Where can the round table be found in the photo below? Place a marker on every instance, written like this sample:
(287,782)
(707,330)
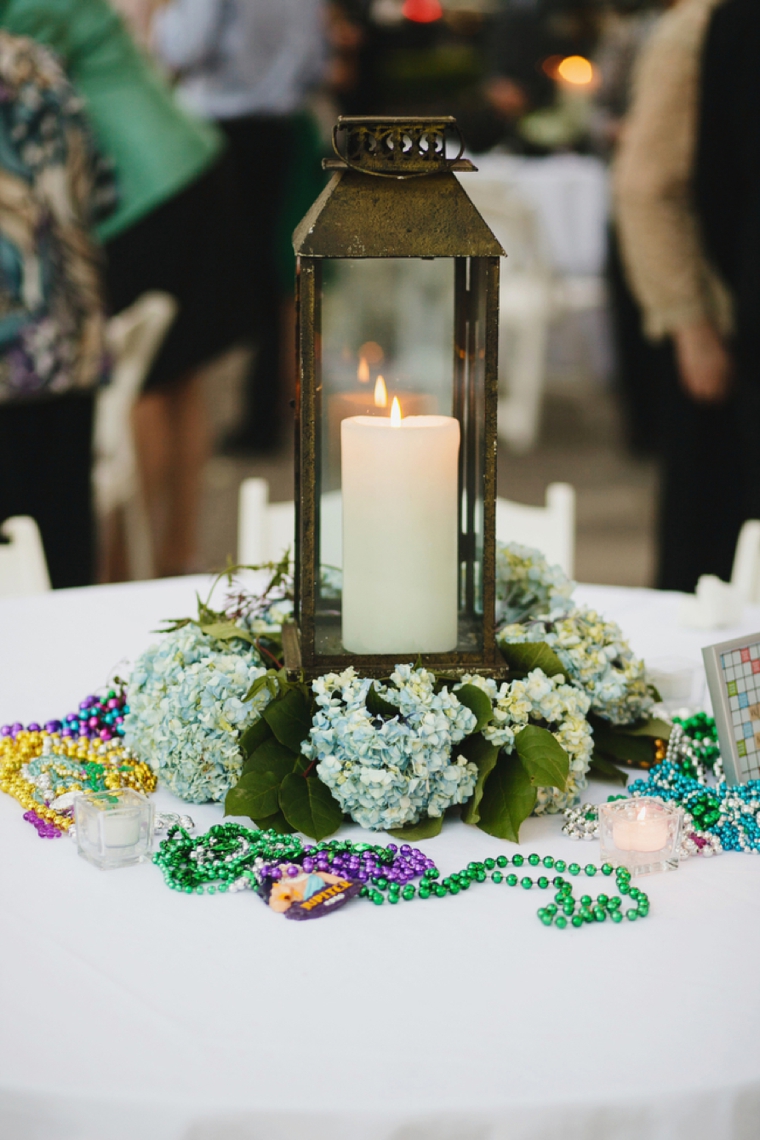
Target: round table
(131,1011)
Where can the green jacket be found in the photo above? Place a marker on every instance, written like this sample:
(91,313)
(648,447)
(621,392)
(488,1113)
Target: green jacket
(157,148)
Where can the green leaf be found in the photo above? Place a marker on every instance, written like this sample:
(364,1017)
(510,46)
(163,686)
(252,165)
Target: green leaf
(254,795)
(308,806)
(543,757)
(508,799)
(289,718)
(478,703)
(632,748)
(271,756)
(481,752)
(254,735)
(654,727)
(377,704)
(654,693)
(226,631)
(276,822)
(603,769)
(423,829)
(524,656)
(267,680)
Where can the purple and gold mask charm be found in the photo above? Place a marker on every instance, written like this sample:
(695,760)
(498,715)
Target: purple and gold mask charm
(303,894)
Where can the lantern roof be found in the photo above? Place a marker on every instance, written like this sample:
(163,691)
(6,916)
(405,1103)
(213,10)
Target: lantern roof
(394,194)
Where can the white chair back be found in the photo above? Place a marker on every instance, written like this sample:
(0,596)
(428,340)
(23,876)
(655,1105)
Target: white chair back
(266,530)
(134,338)
(23,569)
(526,308)
(745,575)
(550,529)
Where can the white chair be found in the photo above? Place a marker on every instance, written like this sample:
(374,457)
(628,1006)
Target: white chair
(550,529)
(533,294)
(526,307)
(266,530)
(23,569)
(134,338)
(745,574)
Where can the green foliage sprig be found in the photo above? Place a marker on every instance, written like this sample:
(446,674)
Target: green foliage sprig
(278,788)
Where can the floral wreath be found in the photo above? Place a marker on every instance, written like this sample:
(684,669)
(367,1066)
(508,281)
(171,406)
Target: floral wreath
(216,714)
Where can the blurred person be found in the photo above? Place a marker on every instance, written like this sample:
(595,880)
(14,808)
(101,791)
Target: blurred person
(173,229)
(686,307)
(249,65)
(627,26)
(728,171)
(52,307)
(138,16)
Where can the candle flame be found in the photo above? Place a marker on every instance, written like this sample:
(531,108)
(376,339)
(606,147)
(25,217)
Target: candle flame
(396,412)
(362,374)
(381,393)
(641,813)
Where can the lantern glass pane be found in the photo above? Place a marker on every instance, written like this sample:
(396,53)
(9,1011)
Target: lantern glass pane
(387,331)
(412,329)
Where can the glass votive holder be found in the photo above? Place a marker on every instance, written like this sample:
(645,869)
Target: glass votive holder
(642,834)
(114,829)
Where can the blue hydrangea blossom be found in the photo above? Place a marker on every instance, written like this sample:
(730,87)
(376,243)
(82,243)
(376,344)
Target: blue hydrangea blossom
(187,711)
(387,773)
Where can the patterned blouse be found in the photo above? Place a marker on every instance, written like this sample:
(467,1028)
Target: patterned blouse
(53,188)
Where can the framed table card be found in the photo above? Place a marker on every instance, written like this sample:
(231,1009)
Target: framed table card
(733,674)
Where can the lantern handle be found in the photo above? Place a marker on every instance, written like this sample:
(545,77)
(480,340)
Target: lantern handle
(402,126)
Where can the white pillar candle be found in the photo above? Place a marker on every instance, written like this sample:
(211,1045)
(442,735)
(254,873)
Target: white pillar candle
(400,534)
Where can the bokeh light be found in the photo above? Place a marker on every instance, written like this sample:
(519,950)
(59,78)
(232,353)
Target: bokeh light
(575,69)
(422,11)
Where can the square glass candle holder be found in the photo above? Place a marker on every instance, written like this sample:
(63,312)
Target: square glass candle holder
(114,829)
(642,834)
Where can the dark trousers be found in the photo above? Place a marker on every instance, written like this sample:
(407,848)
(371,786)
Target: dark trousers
(262,152)
(45,472)
(710,468)
(636,363)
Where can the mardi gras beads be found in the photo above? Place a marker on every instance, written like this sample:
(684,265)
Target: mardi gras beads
(43,770)
(230,857)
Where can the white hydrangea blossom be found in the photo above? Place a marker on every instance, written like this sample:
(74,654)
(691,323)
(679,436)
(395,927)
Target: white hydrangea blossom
(390,773)
(551,703)
(527,585)
(596,656)
(187,711)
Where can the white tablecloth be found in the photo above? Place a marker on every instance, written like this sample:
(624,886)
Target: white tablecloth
(130,1011)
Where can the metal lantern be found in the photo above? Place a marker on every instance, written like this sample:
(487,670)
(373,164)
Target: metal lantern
(397,296)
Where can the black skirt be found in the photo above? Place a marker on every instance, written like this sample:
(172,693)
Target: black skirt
(190,247)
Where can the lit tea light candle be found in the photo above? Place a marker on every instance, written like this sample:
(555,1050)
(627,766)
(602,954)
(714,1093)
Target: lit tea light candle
(400,533)
(642,834)
(646,831)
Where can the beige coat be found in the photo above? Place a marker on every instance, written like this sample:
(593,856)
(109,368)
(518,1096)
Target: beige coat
(652,181)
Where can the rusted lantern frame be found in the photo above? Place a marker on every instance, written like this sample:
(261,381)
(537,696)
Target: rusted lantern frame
(395,195)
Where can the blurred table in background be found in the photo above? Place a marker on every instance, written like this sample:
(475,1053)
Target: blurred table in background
(569,194)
